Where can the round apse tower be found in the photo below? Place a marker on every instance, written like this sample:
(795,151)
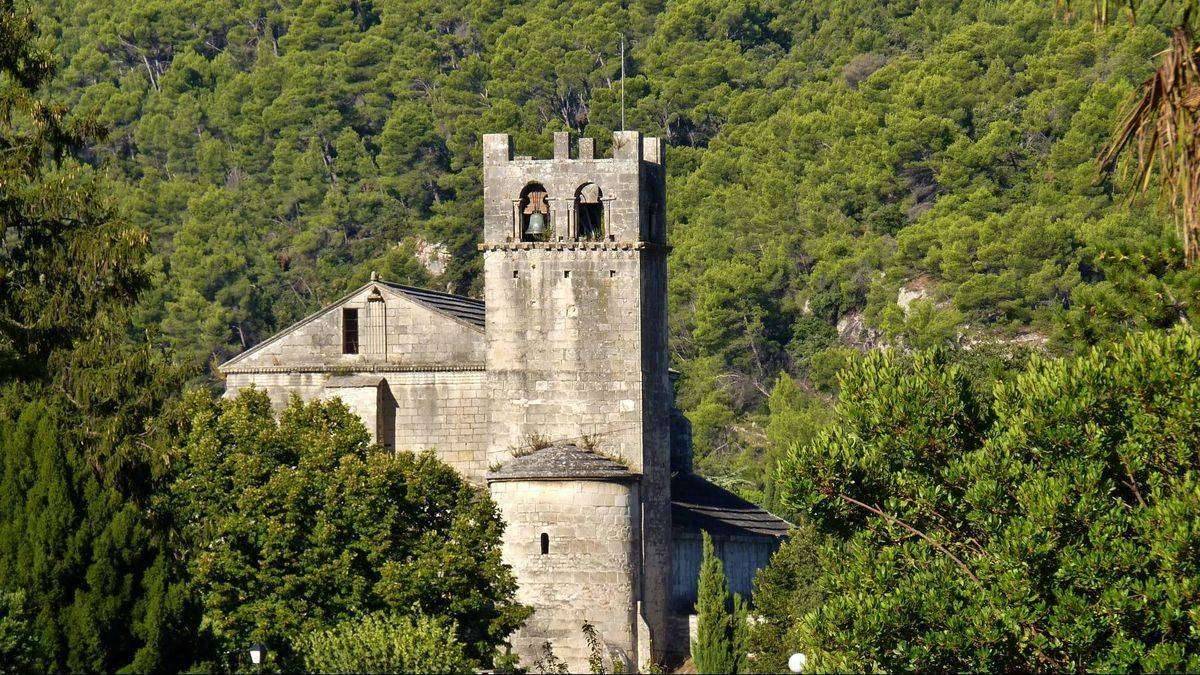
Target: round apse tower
(572,520)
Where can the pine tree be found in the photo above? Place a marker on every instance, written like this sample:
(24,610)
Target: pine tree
(64,257)
(721,633)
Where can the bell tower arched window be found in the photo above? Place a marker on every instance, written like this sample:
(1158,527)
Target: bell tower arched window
(534,210)
(589,212)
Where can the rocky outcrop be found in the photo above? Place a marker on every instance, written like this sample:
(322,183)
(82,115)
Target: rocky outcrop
(853,331)
(434,256)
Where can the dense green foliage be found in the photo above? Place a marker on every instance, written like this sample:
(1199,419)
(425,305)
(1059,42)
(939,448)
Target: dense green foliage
(115,551)
(385,644)
(18,644)
(824,155)
(720,644)
(784,591)
(65,260)
(101,590)
(1052,527)
(80,448)
(290,528)
(828,159)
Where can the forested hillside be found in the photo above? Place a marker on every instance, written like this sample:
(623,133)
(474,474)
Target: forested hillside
(828,159)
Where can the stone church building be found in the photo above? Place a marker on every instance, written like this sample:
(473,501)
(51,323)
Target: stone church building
(554,392)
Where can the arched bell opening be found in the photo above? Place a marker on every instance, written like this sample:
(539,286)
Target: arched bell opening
(534,210)
(589,212)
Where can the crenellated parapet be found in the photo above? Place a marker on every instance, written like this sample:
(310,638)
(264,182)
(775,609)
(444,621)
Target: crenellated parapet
(582,198)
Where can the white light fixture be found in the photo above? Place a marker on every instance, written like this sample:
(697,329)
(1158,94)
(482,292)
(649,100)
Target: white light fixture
(257,652)
(797,662)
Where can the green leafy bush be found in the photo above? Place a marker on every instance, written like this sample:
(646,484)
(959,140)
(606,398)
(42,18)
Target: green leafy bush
(294,526)
(1052,529)
(784,591)
(385,644)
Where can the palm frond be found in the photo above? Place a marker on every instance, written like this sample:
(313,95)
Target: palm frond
(1162,132)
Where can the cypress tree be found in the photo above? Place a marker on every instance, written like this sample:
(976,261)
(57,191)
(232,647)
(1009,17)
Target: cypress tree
(721,633)
(81,435)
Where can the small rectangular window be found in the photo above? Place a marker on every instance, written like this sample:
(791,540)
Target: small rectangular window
(349,331)
(612,273)
(566,274)
(516,273)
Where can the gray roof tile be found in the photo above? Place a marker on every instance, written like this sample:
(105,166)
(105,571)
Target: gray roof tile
(562,462)
(700,505)
(457,306)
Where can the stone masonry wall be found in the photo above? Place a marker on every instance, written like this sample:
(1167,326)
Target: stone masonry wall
(589,573)
(619,178)
(656,447)
(577,330)
(568,363)
(433,365)
(446,411)
(415,335)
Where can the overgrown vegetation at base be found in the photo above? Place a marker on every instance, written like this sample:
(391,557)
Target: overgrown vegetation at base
(1052,526)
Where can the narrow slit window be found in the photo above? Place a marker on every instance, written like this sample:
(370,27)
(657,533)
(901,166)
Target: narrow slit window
(349,331)
(545,543)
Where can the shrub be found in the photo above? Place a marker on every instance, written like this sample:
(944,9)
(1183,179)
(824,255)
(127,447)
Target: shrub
(1055,532)
(385,643)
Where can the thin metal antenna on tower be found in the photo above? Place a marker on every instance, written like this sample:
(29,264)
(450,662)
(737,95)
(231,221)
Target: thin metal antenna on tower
(622,83)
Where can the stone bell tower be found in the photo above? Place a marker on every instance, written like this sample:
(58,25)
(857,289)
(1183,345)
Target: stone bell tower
(576,287)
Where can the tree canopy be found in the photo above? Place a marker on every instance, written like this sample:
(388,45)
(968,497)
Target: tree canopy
(1051,527)
(179,180)
(828,159)
(292,527)
(87,581)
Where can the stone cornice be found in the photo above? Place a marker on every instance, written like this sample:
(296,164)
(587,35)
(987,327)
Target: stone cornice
(576,246)
(347,370)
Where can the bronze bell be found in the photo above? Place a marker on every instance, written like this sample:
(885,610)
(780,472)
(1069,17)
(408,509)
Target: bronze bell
(536,226)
